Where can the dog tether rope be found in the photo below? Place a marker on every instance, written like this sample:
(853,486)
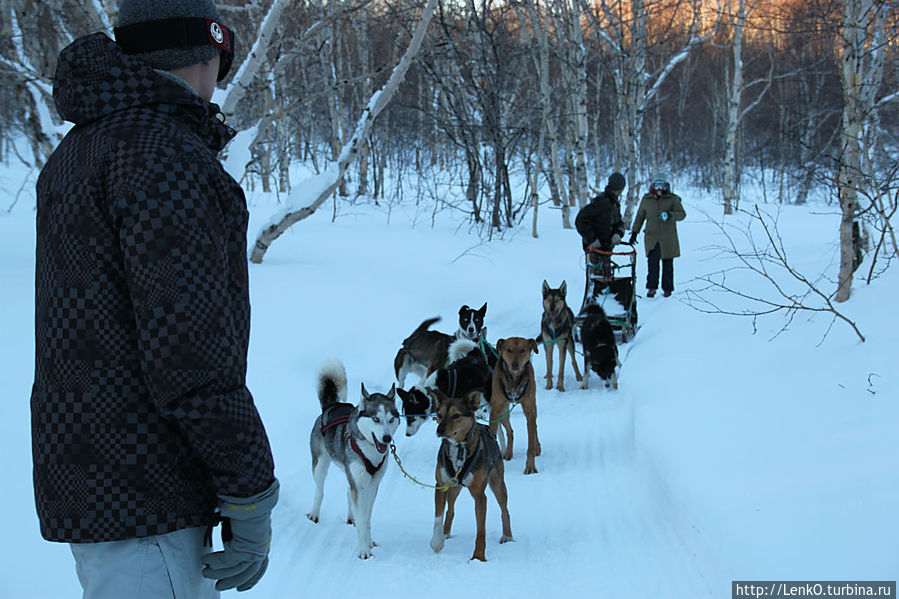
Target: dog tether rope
(399,464)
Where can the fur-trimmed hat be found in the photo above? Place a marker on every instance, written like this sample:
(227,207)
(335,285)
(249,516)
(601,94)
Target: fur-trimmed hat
(140,11)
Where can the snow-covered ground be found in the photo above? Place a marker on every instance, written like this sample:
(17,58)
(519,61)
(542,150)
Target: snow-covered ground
(728,453)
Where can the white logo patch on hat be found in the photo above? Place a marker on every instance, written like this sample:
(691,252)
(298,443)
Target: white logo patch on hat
(216,31)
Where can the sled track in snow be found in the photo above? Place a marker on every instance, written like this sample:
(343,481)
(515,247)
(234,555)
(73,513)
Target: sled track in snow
(595,521)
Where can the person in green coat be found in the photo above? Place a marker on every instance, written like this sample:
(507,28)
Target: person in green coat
(660,210)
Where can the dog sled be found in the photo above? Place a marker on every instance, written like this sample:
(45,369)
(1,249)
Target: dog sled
(611,281)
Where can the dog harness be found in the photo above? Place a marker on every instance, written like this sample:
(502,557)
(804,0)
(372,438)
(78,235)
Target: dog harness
(453,381)
(459,475)
(369,467)
(337,413)
(556,333)
(514,397)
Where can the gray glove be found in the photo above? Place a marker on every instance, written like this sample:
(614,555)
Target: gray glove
(616,239)
(595,244)
(664,216)
(245,558)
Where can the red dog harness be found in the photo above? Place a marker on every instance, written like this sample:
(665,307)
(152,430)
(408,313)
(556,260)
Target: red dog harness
(371,468)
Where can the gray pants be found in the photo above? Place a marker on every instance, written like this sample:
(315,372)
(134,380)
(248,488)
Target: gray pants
(161,567)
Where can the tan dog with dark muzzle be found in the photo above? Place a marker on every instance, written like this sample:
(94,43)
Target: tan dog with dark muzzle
(513,382)
(469,456)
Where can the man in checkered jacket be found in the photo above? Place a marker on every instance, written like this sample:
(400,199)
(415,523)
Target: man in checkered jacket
(144,432)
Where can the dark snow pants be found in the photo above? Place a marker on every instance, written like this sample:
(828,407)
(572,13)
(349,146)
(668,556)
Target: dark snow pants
(652,275)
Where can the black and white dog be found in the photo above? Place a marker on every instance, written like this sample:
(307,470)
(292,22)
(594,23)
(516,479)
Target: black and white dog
(471,323)
(468,371)
(600,347)
(357,438)
(425,351)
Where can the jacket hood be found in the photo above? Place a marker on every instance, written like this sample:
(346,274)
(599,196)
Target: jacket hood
(95,78)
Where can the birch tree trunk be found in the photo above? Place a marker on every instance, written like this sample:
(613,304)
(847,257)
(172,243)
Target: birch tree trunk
(329,181)
(861,74)
(578,62)
(729,183)
(243,78)
(730,179)
(636,86)
(541,63)
(632,97)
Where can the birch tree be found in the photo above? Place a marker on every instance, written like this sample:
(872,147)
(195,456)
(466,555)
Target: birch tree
(577,64)
(736,112)
(623,27)
(862,72)
(326,183)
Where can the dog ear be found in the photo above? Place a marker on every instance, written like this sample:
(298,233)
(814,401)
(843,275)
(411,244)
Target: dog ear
(463,309)
(438,396)
(474,399)
(564,289)
(499,345)
(364,392)
(402,393)
(392,393)
(483,309)
(533,344)
(545,288)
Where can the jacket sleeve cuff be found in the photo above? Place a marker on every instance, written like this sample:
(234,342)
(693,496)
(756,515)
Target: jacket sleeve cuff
(245,508)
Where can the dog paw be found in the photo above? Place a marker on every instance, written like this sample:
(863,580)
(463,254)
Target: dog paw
(578,376)
(505,539)
(478,556)
(530,469)
(437,543)
(584,385)
(312,516)
(365,553)
(507,456)
(560,386)
(350,520)
(549,383)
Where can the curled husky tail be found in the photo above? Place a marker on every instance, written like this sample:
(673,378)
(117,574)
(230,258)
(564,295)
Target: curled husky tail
(331,383)
(423,327)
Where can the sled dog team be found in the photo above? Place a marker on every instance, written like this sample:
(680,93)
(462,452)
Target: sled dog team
(463,379)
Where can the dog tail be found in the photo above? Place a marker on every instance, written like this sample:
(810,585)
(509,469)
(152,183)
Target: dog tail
(423,327)
(331,383)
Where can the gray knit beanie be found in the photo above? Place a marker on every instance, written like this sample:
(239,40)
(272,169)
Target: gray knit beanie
(139,11)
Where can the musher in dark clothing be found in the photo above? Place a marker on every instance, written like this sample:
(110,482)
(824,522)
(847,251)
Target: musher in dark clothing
(600,224)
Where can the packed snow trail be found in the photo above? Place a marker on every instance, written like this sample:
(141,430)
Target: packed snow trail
(595,521)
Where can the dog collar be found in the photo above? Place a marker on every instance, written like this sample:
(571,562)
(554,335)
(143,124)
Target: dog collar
(369,467)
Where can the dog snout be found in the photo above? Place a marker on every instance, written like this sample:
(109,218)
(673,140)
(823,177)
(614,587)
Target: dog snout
(441,429)
(387,439)
(516,365)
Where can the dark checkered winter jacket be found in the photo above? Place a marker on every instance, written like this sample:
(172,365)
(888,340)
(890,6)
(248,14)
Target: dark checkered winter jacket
(140,412)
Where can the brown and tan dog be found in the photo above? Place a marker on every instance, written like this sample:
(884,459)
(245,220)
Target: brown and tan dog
(513,382)
(469,456)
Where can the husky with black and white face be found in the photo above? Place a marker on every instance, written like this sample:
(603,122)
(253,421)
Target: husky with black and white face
(357,438)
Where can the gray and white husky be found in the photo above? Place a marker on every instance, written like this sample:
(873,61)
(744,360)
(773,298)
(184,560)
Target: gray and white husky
(357,438)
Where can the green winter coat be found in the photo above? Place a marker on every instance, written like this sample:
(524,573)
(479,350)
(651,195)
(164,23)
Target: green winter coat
(665,234)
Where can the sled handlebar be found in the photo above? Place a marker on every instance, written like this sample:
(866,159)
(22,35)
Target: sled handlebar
(631,252)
